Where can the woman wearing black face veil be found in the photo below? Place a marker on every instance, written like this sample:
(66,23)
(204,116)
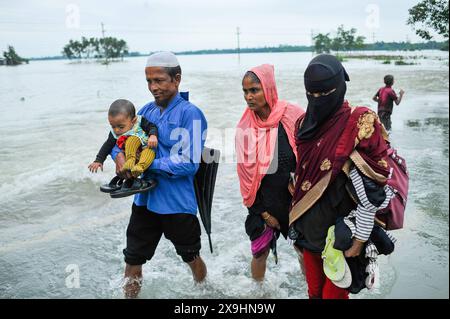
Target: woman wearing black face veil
(326,136)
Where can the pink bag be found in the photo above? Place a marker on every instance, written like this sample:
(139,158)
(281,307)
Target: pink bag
(393,215)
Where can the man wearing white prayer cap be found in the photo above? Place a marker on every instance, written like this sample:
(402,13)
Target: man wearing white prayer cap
(171,207)
(163,59)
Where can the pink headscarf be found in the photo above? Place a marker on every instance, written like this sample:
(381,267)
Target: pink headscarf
(256,139)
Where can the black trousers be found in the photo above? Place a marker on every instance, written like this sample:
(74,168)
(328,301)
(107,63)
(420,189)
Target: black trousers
(146,228)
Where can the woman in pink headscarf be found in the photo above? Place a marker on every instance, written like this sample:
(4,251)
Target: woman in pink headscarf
(265,147)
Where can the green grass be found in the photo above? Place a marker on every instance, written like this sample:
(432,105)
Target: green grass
(341,58)
(401,62)
(384,59)
(373,57)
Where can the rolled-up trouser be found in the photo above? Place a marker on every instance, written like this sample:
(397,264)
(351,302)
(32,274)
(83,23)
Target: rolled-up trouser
(146,228)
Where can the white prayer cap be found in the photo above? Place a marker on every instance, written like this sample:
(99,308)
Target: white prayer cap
(162,59)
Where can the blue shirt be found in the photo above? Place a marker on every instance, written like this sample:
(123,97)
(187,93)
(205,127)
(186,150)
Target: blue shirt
(181,138)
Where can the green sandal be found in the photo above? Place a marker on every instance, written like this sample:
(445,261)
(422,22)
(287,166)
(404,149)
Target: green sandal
(333,259)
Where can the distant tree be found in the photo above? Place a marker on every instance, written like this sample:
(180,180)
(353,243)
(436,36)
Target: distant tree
(113,48)
(107,48)
(95,45)
(430,14)
(88,47)
(67,52)
(346,40)
(337,44)
(74,49)
(359,43)
(12,58)
(322,43)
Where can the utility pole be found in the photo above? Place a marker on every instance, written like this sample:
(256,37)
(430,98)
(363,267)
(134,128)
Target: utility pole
(408,42)
(103,38)
(373,40)
(238,32)
(103,31)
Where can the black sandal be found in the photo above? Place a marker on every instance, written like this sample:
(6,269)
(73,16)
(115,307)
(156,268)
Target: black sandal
(114,185)
(134,186)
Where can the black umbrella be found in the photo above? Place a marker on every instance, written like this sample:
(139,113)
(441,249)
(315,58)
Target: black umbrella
(204,183)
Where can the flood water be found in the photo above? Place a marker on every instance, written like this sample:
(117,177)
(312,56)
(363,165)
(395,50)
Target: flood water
(54,222)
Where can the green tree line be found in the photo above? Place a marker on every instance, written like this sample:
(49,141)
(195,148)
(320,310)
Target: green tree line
(346,40)
(107,48)
(280,48)
(407,46)
(385,46)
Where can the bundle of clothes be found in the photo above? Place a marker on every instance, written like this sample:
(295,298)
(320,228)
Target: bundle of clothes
(360,223)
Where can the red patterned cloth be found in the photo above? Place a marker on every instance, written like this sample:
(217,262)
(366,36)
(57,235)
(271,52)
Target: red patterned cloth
(332,145)
(121,141)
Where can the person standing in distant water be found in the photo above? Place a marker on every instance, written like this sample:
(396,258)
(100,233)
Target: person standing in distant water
(385,97)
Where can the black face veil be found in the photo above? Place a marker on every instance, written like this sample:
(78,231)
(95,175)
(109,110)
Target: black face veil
(323,74)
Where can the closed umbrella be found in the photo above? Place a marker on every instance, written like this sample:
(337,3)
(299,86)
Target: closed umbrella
(204,183)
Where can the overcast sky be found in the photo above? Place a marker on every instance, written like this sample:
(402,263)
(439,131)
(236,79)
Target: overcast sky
(43,27)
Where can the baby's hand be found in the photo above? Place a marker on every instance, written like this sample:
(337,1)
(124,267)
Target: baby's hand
(291,188)
(93,167)
(355,250)
(152,141)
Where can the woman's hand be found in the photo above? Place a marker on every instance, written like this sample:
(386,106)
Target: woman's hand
(270,220)
(355,250)
(93,167)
